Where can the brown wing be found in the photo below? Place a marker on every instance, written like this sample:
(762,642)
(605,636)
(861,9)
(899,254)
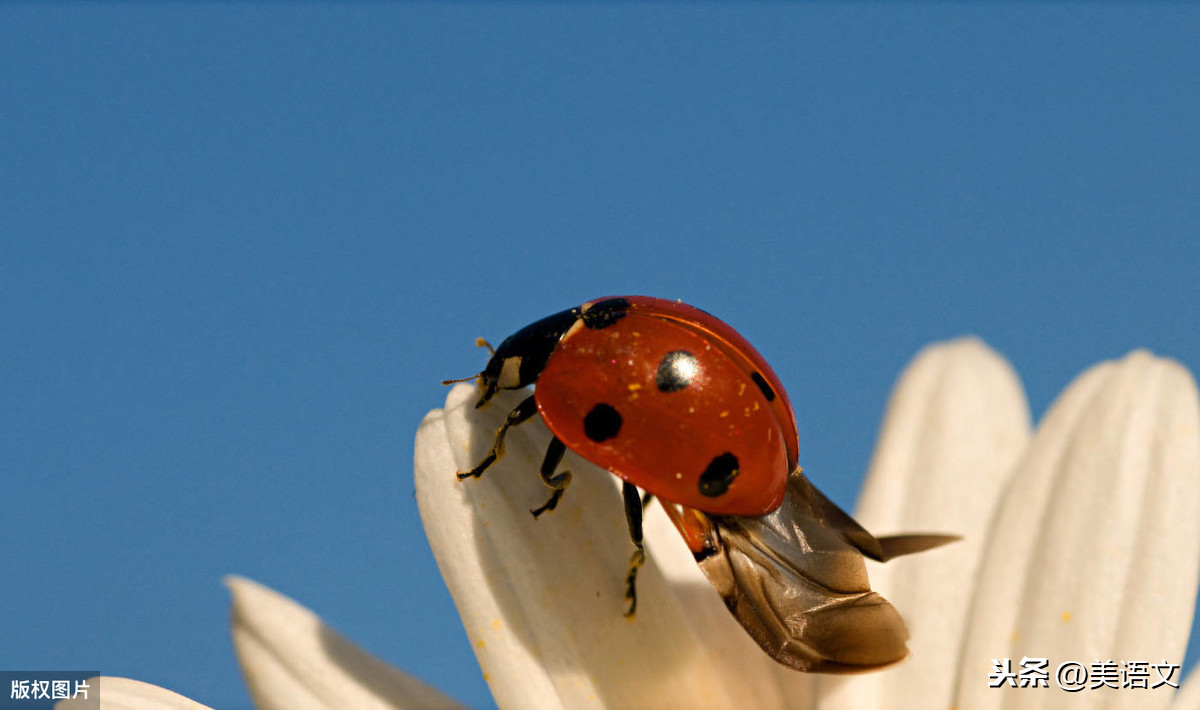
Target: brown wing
(796,581)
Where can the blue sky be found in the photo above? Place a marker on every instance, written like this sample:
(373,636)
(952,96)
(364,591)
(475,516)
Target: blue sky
(244,243)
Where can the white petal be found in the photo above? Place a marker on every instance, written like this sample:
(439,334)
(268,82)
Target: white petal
(956,423)
(541,599)
(126,694)
(293,661)
(1094,554)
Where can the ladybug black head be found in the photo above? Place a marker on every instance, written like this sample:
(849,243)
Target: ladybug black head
(522,356)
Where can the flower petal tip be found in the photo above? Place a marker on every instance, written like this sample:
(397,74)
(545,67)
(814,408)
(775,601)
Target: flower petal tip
(291,659)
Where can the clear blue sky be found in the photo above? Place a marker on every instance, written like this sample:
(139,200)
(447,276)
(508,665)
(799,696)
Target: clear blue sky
(244,243)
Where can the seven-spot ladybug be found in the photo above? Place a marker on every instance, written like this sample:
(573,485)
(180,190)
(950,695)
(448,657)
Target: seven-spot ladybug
(678,404)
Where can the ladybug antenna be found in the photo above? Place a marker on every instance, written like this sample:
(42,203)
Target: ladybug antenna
(462,379)
(479,343)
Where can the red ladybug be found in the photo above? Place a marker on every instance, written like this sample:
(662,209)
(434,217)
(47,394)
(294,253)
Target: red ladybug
(678,404)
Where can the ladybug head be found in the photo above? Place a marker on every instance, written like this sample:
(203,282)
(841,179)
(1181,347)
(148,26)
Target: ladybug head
(503,371)
(489,380)
(522,356)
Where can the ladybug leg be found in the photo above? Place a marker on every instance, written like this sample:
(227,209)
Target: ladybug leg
(554,454)
(526,409)
(635,504)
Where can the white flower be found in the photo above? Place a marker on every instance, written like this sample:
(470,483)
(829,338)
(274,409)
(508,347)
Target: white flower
(1081,543)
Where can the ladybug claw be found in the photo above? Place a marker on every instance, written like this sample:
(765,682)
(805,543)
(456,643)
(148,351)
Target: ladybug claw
(559,484)
(478,470)
(554,454)
(635,562)
(550,504)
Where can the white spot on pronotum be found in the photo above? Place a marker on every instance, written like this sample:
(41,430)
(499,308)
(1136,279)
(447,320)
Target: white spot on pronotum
(573,329)
(510,373)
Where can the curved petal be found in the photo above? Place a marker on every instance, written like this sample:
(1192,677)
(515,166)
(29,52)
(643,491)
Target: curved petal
(541,599)
(126,694)
(293,661)
(1094,554)
(956,423)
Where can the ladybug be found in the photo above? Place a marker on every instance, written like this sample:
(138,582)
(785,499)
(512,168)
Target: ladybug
(680,406)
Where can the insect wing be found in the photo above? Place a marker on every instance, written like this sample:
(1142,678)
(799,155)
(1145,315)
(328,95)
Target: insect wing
(796,581)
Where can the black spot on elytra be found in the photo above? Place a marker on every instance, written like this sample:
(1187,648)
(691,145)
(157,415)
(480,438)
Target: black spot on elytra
(720,473)
(677,370)
(604,313)
(705,553)
(762,385)
(602,423)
